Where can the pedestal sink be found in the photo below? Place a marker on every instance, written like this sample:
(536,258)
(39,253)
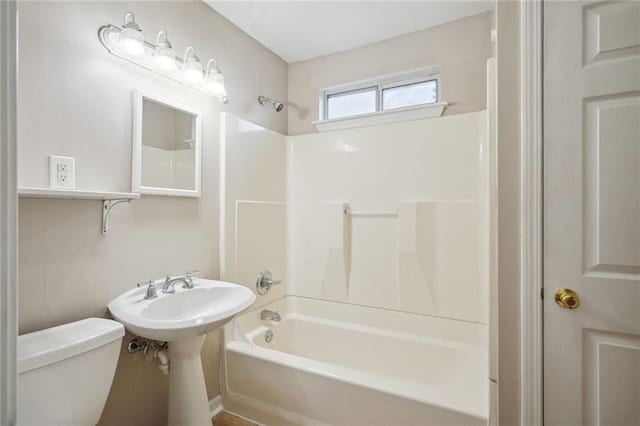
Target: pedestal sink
(182,319)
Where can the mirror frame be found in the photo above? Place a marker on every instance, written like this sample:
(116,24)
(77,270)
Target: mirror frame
(136,162)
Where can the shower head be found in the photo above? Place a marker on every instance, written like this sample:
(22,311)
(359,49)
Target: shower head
(278,106)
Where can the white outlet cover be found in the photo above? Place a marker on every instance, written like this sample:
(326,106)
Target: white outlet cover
(59,178)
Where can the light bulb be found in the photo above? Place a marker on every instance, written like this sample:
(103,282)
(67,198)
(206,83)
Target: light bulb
(192,68)
(215,88)
(193,75)
(164,57)
(131,39)
(131,42)
(164,62)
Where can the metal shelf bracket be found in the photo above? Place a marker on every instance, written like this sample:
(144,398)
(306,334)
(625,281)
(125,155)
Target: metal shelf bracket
(107,205)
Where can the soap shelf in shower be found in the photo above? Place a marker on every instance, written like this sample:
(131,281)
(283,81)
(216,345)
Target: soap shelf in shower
(109,199)
(371,213)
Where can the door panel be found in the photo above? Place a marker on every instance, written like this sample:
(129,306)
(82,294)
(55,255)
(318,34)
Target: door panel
(611,30)
(612,378)
(612,186)
(592,212)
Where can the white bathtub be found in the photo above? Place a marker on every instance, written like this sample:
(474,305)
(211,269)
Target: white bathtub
(340,364)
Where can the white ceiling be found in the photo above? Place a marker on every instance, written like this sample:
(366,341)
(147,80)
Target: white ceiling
(299,30)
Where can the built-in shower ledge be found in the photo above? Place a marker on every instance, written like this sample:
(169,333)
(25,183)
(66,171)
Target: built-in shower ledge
(75,194)
(382,117)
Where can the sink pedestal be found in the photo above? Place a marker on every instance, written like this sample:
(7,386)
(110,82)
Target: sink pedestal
(188,404)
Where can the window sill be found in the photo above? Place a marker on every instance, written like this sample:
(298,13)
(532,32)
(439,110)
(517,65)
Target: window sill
(382,117)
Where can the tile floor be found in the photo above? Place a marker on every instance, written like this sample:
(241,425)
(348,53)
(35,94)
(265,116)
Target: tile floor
(228,419)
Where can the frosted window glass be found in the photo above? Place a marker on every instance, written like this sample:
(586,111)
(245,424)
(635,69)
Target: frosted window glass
(425,92)
(346,104)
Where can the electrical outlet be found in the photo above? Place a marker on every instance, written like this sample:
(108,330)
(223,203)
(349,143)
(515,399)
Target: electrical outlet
(62,172)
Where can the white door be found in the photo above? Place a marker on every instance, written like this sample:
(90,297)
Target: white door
(592,212)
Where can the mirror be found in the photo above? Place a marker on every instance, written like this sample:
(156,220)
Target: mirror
(167,145)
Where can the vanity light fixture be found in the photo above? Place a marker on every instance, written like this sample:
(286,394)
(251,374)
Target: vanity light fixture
(127,42)
(164,57)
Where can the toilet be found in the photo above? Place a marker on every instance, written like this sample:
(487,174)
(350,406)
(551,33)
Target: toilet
(65,372)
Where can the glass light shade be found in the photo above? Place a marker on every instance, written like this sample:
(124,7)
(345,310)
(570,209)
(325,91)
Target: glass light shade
(131,42)
(164,58)
(192,71)
(215,83)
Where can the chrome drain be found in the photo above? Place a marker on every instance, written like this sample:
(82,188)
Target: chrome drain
(268,336)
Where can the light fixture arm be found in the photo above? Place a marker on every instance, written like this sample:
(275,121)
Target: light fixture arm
(189,52)
(130,22)
(162,39)
(215,66)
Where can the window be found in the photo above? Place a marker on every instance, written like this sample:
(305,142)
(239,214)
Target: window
(352,103)
(381,94)
(424,92)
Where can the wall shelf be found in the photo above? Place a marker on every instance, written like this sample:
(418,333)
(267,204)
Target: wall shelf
(74,194)
(382,117)
(109,199)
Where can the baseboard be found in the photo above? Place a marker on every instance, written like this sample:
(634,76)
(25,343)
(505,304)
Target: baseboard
(215,406)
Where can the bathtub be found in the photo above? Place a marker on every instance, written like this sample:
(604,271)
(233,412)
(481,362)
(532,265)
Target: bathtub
(340,364)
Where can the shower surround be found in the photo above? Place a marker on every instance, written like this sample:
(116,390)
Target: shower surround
(381,237)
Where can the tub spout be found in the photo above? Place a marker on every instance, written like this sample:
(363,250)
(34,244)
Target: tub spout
(269,315)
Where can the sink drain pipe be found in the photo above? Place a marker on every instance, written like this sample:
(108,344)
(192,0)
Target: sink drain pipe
(163,358)
(153,349)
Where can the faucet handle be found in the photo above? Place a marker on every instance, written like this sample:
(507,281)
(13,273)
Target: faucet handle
(265,282)
(151,289)
(189,278)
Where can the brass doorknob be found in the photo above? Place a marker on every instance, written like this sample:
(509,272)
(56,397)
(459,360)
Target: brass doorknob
(567,298)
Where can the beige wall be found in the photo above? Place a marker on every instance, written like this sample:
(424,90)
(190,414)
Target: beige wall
(508,48)
(75,99)
(461,47)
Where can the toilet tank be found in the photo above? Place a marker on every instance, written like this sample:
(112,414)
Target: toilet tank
(65,372)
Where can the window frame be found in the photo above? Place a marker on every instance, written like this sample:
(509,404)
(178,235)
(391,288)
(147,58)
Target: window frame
(379,84)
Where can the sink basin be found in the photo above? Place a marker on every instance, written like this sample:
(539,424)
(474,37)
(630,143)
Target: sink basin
(185,313)
(182,319)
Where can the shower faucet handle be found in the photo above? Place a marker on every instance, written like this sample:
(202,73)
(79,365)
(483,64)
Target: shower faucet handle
(265,282)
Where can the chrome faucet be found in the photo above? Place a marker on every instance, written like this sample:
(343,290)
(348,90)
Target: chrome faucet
(170,283)
(268,315)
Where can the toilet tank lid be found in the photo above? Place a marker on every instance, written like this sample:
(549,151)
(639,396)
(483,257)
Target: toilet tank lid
(64,341)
